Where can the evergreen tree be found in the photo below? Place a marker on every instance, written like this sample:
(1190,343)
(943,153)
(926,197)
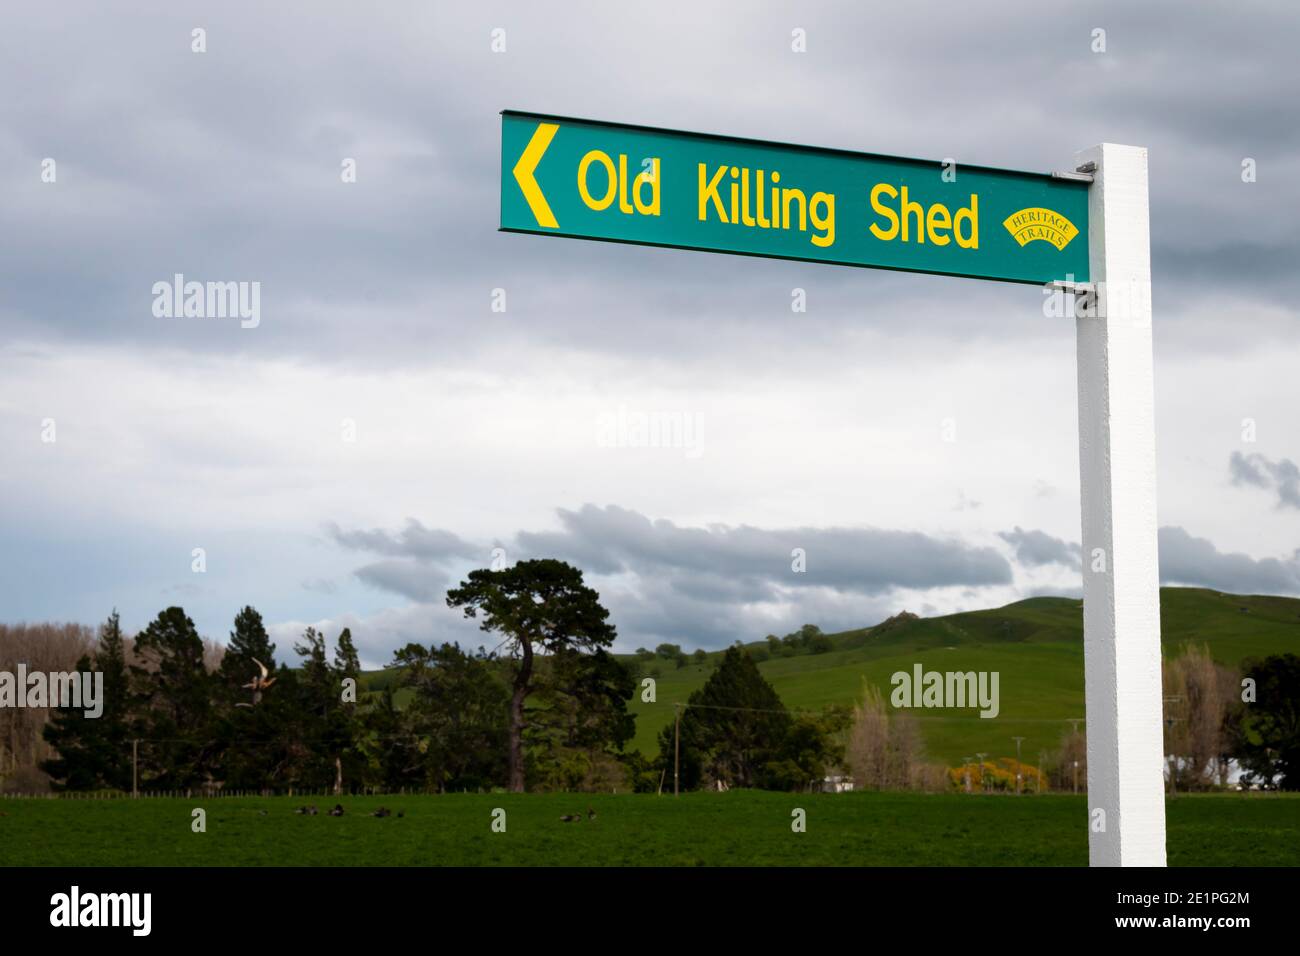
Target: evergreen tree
(347,663)
(81,753)
(316,695)
(540,607)
(579,722)
(731,728)
(1270,738)
(256,742)
(110,660)
(249,643)
(171,695)
(331,727)
(347,723)
(587,696)
(455,726)
(93,752)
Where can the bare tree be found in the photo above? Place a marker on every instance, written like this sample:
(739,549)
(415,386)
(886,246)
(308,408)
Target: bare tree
(1198,695)
(884,751)
(1069,763)
(47,647)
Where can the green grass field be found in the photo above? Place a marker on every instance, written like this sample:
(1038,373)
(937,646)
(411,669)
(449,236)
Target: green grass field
(699,829)
(1035,645)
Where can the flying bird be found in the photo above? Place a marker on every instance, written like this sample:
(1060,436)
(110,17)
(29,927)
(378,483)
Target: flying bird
(258,684)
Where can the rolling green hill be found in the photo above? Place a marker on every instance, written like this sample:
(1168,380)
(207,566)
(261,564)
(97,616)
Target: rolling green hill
(1036,645)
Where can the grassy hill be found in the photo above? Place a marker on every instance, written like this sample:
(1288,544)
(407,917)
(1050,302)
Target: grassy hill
(1036,645)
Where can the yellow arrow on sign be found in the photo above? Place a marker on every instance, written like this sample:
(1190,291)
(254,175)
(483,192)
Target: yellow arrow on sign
(528,183)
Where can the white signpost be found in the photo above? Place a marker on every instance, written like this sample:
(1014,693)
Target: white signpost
(1117,470)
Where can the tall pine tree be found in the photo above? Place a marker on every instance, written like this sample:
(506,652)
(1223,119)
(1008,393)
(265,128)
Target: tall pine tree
(347,721)
(731,727)
(172,693)
(253,742)
(93,752)
(249,643)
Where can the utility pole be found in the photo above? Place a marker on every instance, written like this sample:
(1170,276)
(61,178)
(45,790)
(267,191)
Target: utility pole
(966,767)
(1074,723)
(1173,755)
(677,747)
(135,768)
(1042,755)
(1173,761)
(1017,740)
(983,783)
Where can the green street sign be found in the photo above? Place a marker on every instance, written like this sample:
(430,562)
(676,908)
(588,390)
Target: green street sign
(589,180)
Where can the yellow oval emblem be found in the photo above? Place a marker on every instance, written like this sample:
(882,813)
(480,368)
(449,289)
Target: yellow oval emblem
(1036,222)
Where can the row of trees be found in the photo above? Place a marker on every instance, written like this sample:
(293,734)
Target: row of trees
(179,723)
(549,702)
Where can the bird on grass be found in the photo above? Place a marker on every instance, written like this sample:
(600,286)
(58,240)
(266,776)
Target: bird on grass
(258,684)
(337,811)
(571,818)
(309,811)
(382,812)
(591,814)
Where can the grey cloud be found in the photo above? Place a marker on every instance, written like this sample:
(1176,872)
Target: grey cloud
(1037,548)
(1197,562)
(416,556)
(1184,560)
(861,560)
(413,541)
(703,586)
(1244,471)
(657,611)
(411,579)
(708,586)
(1282,476)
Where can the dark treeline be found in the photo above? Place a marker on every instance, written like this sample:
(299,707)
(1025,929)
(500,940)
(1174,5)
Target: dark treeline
(545,710)
(549,706)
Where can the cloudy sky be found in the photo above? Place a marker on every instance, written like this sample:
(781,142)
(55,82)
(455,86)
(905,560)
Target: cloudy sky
(382,430)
